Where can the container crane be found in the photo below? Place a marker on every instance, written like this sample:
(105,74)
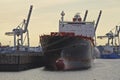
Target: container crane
(20,30)
(112,36)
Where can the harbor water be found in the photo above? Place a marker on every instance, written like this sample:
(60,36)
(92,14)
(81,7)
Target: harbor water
(102,69)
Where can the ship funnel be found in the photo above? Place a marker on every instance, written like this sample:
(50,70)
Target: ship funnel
(77,18)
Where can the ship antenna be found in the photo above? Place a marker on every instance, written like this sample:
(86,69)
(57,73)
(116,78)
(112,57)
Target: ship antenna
(62,14)
(62,18)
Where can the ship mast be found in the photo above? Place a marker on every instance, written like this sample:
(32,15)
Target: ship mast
(62,17)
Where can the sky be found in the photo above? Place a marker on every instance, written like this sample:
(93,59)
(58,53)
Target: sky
(46,14)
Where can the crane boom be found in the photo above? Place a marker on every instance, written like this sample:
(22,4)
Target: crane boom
(102,37)
(28,19)
(85,15)
(98,19)
(9,33)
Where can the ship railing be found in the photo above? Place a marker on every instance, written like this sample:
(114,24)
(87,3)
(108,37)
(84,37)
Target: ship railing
(62,34)
(83,22)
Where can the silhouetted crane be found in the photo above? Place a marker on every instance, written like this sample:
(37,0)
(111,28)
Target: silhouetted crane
(20,30)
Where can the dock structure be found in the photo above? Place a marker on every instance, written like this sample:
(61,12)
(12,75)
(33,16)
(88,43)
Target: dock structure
(20,61)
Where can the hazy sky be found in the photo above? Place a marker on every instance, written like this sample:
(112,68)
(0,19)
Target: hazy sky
(46,15)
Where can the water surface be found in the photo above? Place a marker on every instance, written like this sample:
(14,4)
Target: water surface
(102,69)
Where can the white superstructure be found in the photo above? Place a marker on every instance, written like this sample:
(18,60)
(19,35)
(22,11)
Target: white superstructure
(78,27)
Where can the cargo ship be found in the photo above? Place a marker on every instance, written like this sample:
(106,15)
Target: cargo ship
(72,47)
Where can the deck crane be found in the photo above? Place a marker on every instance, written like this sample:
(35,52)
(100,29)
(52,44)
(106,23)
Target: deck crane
(98,19)
(86,12)
(96,24)
(112,36)
(19,31)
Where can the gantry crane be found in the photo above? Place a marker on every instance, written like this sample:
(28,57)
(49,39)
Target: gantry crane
(20,30)
(112,36)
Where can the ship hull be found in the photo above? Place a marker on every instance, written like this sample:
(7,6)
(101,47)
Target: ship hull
(66,52)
